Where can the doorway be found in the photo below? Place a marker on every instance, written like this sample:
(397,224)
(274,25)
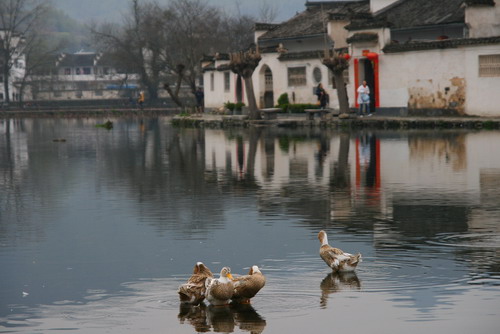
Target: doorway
(239,89)
(268,87)
(366,69)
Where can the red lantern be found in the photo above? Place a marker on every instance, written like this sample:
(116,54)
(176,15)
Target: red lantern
(372,55)
(347,56)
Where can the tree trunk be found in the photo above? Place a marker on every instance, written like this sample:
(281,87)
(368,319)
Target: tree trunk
(338,77)
(6,88)
(252,104)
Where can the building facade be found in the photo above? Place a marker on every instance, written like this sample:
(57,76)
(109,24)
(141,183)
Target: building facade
(82,76)
(419,57)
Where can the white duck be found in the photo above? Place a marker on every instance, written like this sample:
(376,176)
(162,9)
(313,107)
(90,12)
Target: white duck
(247,286)
(220,290)
(336,258)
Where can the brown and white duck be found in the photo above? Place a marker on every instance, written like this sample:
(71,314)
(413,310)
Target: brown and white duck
(193,292)
(247,286)
(220,290)
(335,258)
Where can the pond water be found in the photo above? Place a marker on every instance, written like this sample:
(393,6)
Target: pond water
(98,228)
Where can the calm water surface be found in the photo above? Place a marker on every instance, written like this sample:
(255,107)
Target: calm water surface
(97,231)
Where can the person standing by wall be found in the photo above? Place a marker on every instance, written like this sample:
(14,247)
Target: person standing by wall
(200,100)
(141,99)
(323,97)
(364,99)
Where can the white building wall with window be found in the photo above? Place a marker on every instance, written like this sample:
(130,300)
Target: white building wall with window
(299,91)
(441,79)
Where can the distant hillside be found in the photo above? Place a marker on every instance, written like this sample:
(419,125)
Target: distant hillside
(112,10)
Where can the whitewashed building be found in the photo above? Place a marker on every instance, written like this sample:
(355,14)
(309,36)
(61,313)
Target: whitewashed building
(291,57)
(429,57)
(419,57)
(83,76)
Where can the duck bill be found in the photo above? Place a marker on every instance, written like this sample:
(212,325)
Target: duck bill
(230,276)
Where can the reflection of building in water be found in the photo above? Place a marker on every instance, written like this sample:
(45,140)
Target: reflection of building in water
(373,172)
(443,148)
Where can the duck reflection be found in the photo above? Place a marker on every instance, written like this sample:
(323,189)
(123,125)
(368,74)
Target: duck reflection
(222,319)
(336,282)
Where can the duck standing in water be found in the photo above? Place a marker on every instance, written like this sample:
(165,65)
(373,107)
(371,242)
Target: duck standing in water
(247,286)
(193,292)
(336,258)
(220,290)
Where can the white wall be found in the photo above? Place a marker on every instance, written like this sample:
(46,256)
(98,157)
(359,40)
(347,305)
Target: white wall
(437,79)
(483,21)
(376,5)
(482,92)
(303,94)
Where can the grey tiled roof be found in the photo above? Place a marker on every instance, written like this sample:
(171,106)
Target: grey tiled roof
(363,37)
(311,22)
(415,13)
(480,2)
(74,60)
(444,44)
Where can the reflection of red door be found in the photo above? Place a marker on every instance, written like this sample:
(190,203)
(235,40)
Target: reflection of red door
(363,162)
(375,79)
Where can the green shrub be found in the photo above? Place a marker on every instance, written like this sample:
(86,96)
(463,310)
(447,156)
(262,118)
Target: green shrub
(283,102)
(234,106)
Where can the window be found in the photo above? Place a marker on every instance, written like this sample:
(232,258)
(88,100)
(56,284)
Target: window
(106,71)
(227,82)
(1,96)
(78,71)
(67,71)
(212,79)
(297,76)
(1,78)
(87,70)
(489,66)
(317,75)
(98,93)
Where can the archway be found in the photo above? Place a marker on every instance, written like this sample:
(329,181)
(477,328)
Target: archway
(239,89)
(266,76)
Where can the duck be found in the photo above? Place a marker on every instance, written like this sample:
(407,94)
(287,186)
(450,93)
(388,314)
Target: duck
(335,258)
(247,286)
(220,290)
(193,291)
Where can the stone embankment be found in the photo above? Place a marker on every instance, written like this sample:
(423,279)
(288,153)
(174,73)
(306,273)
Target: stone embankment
(375,122)
(86,112)
(209,120)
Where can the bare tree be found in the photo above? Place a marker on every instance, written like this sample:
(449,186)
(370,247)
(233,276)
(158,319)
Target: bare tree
(192,29)
(39,57)
(338,64)
(19,20)
(135,46)
(244,64)
(267,12)
(165,45)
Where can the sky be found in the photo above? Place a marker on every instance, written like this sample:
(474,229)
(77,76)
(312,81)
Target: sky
(99,10)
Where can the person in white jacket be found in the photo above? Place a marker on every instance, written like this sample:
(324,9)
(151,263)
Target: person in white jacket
(364,99)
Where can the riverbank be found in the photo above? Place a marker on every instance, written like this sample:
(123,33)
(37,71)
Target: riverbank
(301,120)
(211,120)
(86,112)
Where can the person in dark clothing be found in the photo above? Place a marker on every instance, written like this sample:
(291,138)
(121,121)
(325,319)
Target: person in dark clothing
(323,97)
(200,97)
